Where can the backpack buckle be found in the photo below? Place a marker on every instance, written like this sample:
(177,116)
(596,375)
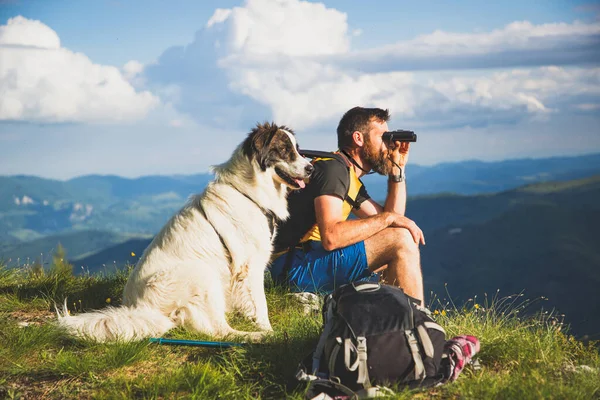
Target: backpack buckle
(366,286)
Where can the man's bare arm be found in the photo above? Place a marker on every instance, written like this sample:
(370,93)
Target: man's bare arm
(396,196)
(337,233)
(368,208)
(395,202)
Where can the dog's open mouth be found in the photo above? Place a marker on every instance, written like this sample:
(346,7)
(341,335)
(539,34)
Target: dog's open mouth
(297,182)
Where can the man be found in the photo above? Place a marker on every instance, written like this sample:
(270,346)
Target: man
(318,248)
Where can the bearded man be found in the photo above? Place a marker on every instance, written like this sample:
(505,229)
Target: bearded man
(319,248)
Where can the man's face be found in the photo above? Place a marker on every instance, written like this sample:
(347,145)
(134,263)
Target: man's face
(374,151)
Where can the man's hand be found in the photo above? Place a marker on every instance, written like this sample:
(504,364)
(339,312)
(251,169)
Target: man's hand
(400,221)
(399,153)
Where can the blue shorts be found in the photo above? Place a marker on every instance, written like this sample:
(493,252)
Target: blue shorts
(317,270)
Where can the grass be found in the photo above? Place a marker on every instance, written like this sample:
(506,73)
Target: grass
(522,357)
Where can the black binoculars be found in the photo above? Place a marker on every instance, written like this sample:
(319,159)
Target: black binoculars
(399,136)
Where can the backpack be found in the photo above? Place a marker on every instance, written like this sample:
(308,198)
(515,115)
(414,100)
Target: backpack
(373,335)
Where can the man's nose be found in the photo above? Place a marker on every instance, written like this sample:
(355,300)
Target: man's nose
(309,169)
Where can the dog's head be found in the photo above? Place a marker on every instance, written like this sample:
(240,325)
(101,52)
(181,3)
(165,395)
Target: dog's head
(274,147)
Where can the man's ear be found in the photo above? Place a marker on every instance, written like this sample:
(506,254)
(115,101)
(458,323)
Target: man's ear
(358,138)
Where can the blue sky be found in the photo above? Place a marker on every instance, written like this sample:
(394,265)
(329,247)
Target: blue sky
(135,88)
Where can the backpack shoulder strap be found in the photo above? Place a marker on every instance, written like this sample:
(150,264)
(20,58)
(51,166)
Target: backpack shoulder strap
(323,154)
(324,335)
(326,155)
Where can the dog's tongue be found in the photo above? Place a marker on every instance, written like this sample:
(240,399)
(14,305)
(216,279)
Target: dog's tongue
(300,183)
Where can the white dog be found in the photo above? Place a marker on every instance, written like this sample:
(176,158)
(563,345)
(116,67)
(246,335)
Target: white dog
(211,256)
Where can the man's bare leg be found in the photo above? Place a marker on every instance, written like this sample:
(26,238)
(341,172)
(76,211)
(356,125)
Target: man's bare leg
(395,252)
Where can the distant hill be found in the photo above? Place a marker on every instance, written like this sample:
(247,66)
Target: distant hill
(110,189)
(542,239)
(32,207)
(113,257)
(97,190)
(77,244)
(476,177)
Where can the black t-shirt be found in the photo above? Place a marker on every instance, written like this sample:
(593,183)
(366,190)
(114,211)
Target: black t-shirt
(330,177)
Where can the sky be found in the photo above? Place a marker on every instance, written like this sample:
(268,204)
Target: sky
(135,88)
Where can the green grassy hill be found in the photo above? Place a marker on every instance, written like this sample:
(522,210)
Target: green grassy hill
(522,358)
(78,245)
(445,210)
(541,239)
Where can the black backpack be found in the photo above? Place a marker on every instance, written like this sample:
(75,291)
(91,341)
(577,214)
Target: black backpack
(373,335)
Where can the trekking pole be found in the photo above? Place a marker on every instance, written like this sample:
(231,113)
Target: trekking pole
(197,343)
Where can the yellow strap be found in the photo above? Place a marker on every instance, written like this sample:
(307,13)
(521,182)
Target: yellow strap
(355,185)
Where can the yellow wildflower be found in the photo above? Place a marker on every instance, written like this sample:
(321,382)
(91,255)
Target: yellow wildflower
(108,300)
(444,312)
(476,306)
(132,254)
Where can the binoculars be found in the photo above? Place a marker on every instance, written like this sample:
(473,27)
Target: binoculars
(399,136)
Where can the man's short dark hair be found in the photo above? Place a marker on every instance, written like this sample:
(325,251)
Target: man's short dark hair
(358,119)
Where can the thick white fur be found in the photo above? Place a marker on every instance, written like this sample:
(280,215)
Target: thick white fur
(185,277)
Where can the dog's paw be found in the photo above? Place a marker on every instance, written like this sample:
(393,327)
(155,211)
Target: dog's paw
(265,326)
(257,336)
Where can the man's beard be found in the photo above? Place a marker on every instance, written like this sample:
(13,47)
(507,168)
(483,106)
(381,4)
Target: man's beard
(376,158)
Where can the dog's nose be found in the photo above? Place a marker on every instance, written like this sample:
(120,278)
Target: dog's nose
(309,169)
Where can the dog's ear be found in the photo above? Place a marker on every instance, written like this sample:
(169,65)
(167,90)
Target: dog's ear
(258,142)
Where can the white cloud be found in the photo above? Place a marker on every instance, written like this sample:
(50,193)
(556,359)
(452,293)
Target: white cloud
(284,27)
(133,72)
(309,93)
(515,35)
(519,43)
(132,69)
(293,59)
(43,82)
(588,106)
(21,31)
(204,75)
(218,17)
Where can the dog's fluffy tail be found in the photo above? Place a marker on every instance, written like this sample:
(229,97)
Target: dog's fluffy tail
(115,323)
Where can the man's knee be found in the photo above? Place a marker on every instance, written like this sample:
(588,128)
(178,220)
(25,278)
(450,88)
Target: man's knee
(389,245)
(404,241)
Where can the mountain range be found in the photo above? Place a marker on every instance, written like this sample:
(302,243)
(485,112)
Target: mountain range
(33,207)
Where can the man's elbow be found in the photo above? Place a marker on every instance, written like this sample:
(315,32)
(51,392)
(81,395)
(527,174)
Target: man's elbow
(328,244)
